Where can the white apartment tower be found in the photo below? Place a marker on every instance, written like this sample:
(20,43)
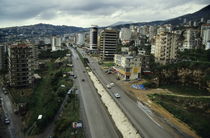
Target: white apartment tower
(166,46)
(80,39)
(56,43)
(125,34)
(191,40)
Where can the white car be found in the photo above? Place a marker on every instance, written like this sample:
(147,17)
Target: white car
(111,84)
(6,121)
(117,95)
(108,86)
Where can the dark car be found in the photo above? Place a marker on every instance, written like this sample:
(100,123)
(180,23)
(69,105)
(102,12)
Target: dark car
(6,121)
(83,79)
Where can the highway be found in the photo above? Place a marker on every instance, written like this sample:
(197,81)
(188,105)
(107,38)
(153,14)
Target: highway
(98,123)
(140,116)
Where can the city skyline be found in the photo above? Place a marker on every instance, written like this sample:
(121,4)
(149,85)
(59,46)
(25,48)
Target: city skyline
(85,13)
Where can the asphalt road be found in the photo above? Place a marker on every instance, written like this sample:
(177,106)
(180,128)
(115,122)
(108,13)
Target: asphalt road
(140,116)
(98,123)
(14,126)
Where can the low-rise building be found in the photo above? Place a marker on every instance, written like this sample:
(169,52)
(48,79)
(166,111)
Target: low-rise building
(127,67)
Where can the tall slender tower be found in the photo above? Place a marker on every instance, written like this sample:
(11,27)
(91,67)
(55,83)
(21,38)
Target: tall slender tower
(93,37)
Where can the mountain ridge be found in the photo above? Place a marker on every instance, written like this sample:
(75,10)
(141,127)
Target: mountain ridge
(204,12)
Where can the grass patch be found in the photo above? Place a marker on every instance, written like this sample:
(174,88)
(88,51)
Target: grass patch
(107,64)
(186,90)
(67,69)
(194,111)
(70,114)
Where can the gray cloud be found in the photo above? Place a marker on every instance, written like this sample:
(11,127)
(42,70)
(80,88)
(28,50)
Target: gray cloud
(47,10)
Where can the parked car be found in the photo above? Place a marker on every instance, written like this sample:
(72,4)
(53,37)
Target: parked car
(117,95)
(6,121)
(83,79)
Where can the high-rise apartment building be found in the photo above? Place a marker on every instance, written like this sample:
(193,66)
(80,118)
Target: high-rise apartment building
(166,45)
(21,64)
(192,39)
(2,57)
(56,43)
(125,34)
(93,38)
(205,34)
(80,39)
(108,43)
(152,31)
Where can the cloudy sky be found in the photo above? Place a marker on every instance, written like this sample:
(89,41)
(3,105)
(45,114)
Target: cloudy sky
(85,13)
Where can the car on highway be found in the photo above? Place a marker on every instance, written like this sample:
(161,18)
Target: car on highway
(111,84)
(108,86)
(6,121)
(117,95)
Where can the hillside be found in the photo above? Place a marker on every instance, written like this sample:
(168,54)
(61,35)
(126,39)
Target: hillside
(196,16)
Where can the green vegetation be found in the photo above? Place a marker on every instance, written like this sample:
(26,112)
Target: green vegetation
(70,114)
(181,90)
(189,74)
(195,55)
(45,99)
(149,84)
(53,55)
(84,60)
(107,64)
(194,111)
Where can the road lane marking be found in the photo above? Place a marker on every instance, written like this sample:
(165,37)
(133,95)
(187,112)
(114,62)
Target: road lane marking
(146,110)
